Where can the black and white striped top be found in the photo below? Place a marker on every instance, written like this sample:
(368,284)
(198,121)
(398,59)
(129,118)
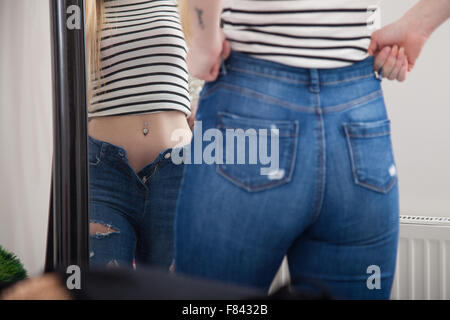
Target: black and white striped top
(143,60)
(302,33)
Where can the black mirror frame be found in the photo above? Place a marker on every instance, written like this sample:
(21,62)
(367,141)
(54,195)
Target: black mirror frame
(68,229)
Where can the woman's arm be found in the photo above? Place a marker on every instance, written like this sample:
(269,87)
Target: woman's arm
(205,19)
(207,45)
(428,15)
(411,31)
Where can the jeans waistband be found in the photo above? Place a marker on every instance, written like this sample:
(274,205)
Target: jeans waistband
(264,68)
(103,148)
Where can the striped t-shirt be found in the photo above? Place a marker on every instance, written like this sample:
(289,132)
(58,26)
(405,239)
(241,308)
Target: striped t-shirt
(143,60)
(302,33)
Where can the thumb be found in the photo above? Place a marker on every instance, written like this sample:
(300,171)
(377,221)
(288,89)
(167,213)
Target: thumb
(226,49)
(214,71)
(373,47)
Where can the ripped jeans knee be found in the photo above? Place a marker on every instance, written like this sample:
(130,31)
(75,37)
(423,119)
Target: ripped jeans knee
(100,230)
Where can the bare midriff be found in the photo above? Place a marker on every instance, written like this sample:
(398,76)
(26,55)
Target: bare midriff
(165,130)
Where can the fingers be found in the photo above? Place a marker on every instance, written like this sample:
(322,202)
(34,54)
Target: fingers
(192,117)
(191,123)
(214,72)
(400,60)
(226,49)
(403,72)
(390,63)
(394,63)
(381,58)
(373,47)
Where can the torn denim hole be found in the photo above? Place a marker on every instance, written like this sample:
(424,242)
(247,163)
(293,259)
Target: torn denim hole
(100,230)
(276,174)
(392,170)
(172,267)
(113,264)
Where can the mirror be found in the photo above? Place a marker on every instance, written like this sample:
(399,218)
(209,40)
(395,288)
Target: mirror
(139,106)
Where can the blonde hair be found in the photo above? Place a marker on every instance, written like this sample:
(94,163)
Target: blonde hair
(185,20)
(94,15)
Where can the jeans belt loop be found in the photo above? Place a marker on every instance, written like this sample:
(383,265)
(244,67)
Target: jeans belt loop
(379,74)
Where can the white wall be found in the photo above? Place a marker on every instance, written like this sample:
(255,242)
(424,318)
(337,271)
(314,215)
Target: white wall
(420,112)
(419,109)
(25,128)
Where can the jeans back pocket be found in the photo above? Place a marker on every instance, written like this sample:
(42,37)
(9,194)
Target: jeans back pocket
(371,154)
(258,154)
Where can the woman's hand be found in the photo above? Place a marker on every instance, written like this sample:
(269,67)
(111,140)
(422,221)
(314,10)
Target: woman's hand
(192,117)
(410,32)
(402,34)
(205,58)
(208,46)
(394,63)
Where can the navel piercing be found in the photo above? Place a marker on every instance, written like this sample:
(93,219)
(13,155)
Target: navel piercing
(145,131)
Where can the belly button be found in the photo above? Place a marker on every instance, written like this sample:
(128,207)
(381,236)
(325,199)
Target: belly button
(145,130)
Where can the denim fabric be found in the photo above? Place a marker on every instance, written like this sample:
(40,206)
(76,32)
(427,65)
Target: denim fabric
(138,207)
(332,206)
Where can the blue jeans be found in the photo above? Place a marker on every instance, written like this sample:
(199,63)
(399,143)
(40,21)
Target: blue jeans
(138,208)
(331,205)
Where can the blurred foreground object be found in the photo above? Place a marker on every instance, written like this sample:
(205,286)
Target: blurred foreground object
(46,287)
(142,284)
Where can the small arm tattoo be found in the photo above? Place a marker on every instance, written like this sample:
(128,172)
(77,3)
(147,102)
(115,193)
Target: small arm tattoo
(200,17)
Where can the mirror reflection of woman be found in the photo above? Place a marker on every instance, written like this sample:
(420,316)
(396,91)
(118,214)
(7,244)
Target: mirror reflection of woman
(138,98)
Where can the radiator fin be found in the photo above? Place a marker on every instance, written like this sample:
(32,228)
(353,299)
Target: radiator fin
(423,262)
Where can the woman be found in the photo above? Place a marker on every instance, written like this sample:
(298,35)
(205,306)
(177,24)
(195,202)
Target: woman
(299,73)
(138,109)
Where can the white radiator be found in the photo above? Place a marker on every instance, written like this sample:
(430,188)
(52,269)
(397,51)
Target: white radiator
(423,260)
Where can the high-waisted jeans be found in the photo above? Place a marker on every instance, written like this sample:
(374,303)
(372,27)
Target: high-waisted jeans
(331,205)
(137,208)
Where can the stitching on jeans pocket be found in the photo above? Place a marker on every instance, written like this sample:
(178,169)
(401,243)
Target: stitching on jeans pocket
(94,161)
(94,154)
(248,175)
(255,95)
(371,155)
